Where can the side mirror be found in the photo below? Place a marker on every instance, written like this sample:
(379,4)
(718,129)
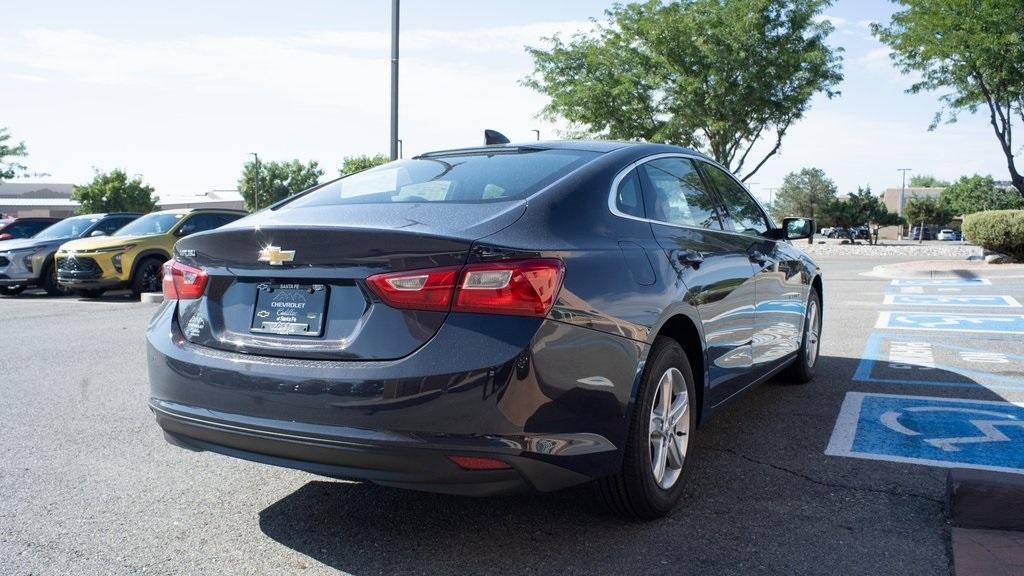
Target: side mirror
(797,228)
(98,233)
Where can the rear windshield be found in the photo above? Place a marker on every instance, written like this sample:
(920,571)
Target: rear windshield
(477,177)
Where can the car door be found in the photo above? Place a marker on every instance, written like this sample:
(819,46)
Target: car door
(779,287)
(711,264)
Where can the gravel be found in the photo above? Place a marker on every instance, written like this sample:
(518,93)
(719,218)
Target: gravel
(891,249)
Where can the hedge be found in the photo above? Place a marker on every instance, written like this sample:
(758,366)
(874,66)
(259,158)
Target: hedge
(997,230)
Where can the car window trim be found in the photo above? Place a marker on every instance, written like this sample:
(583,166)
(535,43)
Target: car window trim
(764,213)
(714,192)
(646,182)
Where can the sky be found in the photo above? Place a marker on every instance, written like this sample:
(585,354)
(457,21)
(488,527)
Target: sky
(182,92)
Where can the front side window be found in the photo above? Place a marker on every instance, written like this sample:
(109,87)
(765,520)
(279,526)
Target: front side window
(476,177)
(747,217)
(678,195)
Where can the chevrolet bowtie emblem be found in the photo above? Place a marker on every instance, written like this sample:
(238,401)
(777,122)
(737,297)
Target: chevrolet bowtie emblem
(275,256)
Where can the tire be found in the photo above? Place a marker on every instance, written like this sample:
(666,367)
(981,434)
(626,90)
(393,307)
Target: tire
(91,293)
(49,281)
(147,276)
(636,490)
(802,370)
(11,290)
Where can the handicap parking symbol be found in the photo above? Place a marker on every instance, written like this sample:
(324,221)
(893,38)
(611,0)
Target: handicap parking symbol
(944,432)
(990,301)
(941,282)
(940,322)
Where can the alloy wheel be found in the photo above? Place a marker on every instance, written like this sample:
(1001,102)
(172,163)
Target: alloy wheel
(813,329)
(669,428)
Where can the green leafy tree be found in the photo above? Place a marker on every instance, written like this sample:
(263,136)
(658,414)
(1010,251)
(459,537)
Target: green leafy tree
(976,193)
(972,51)
(277,180)
(9,168)
(114,192)
(351,164)
(715,75)
(860,208)
(925,211)
(803,193)
(927,181)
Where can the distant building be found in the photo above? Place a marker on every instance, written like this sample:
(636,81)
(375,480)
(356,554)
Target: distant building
(25,199)
(891,199)
(231,199)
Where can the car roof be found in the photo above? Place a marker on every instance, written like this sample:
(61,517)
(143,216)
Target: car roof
(600,146)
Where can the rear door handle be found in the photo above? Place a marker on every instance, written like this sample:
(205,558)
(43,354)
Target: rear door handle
(690,257)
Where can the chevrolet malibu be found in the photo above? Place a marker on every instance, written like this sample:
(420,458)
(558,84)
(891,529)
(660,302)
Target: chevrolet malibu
(487,320)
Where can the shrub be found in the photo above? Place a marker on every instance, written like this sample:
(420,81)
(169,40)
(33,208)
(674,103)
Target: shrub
(997,230)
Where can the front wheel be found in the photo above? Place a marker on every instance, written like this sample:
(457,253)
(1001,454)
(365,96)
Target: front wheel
(148,276)
(651,479)
(801,371)
(49,283)
(11,290)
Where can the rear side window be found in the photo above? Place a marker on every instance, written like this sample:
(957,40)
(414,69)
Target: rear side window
(458,178)
(628,198)
(744,212)
(678,195)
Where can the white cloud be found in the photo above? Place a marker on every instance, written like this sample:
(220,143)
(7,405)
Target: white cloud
(838,21)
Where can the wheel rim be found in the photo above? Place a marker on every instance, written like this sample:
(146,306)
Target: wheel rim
(669,428)
(812,335)
(151,279)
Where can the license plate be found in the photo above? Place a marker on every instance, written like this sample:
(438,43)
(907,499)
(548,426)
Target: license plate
(290,309)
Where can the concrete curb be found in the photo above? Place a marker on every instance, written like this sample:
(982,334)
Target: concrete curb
(936,269)
(151,297)
(985,499)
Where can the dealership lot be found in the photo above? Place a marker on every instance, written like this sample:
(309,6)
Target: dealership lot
(845,475)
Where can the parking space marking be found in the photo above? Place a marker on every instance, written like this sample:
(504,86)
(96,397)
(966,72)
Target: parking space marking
(941,322)
(919,299)
(941,282)
(945,432)
(961,363)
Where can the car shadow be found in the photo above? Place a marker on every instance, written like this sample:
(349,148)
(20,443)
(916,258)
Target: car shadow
(760,497)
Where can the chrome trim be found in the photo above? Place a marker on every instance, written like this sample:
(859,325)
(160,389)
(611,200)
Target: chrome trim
(625,171)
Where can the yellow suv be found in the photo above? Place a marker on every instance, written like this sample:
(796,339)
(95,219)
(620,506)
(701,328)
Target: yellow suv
(132,256)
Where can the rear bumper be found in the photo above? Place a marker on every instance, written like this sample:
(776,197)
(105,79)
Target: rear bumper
(549,399)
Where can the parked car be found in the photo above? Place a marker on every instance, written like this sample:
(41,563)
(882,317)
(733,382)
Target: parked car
(132,256)
(948,234)
(915,233)
(15,228)
(29,262)
(840,233)
(487,320)
(826,231)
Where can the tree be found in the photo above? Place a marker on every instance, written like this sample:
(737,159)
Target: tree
(114,192)
(927,181)
(350,164)
(714,75)
(924,211)
(277,180)
(859,208)
(976,193)
(8,167)
(803,193)
(973,51)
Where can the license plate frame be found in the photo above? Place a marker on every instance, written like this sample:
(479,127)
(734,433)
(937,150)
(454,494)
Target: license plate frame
(289,309)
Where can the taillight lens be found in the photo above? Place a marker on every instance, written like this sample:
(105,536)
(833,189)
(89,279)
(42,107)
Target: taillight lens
(183,282)
(515,287)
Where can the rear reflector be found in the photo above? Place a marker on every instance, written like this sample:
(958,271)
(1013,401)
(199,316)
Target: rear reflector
(515,287)
(477,463)
(183,282)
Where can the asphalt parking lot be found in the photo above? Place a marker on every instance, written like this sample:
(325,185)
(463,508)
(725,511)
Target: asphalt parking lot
(88,485)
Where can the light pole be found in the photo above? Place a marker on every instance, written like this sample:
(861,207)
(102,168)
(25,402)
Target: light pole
(256,195)
(536,132)
(903,192)
(394,79)
(401,148)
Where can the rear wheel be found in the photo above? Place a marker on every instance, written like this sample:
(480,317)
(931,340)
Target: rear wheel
(147,277)
(801,371)
(11,290)
(92,293)
(654,462)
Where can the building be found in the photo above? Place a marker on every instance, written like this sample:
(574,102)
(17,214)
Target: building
(23,199)
(26,199)
(891,199)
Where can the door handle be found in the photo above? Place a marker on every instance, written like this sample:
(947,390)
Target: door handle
(690,258)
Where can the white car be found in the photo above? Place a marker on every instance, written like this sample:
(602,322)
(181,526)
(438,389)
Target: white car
(948,234)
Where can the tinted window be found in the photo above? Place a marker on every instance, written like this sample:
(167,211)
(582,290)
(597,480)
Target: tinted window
(68,228)
(746,215)
(678,195)
(24,229)
(628,198)
(477,177)
(204,222)
(111,225)
(150,224)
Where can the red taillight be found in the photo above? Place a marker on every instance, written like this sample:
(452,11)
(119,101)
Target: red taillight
(183,282)
(478,463)
(516,287)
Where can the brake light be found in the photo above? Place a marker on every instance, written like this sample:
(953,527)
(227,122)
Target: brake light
(183,282)
(515,287)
